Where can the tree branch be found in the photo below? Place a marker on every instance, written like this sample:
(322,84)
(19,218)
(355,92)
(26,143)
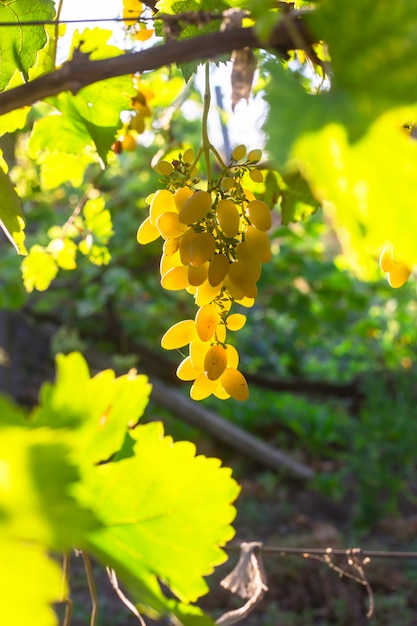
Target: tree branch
(80,71)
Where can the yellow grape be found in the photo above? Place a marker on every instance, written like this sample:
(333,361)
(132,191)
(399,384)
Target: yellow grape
(258,243)
(228,217)
(195,207)
(181,195)
(232,356)
(168,262)
(218,268)
(220,393)
(162,202)
(398,275)
(246,302)
(241,278)
(260,214)
(236,321)
(221,333)
(185,243)
(245,256)
(239,152)
(164,167)
(215,362)
(197,274)
(386,258)
(254,155)
(175,279)
(234,383)
(206,293)
(202,387)
(188,156)
(147,232)
(202,247)
(171,246)
(129,143)
(256,176)
(179,335)
(249,195)
(235,292)
(227,183)
(198,351)
(206,321)
(186,370)
(170,226)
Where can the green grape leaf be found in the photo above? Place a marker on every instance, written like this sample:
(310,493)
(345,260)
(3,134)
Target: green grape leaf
(296,200)
(86,125)
(165,514)
(36,489)
(39,269)
(30,581)
(19,44)
(100,408)
(11,215)
(372,59)
(346,169)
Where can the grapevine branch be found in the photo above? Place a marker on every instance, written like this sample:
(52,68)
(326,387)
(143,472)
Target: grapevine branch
(80,71)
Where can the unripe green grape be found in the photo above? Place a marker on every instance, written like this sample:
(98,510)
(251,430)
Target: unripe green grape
(254,155)
(206,293)
(147,232)
(164,167)
(202,248)
(175,279)
(215,362)
(245,256)
(256,176)
(228,217)
(186,370)
(242,279)
(218,268)
(197,274)
(185,243)
(162,202)
(181,195)
(170,226)
(236,321)
(260,214)
(258,243)
(197,351)
(179,335)
(234,383)
(239,152)
(202,387)
(195,207)
(206,321)
(171,246)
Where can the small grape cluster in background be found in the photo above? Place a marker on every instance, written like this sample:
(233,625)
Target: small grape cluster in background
(215,242)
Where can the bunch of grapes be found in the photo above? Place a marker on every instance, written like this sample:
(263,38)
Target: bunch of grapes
(215,242)
(391,263)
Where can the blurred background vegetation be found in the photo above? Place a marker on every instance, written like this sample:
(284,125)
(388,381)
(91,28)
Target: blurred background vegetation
(332,361)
